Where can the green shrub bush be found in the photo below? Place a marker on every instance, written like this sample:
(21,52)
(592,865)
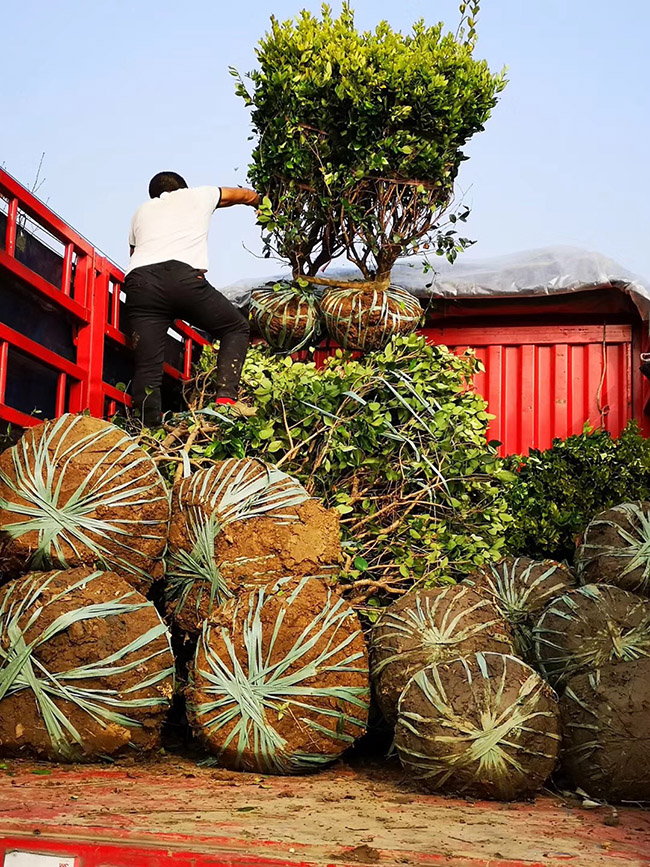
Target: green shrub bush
(559,490)
(394,441)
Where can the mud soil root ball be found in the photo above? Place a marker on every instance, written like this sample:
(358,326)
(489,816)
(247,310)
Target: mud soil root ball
(589,627)
(80,491)
(615,549)
(86,668)
(605,717)
(367,319)
(427,626)
(521,588)
(239,524)
(481,726)
(280,680)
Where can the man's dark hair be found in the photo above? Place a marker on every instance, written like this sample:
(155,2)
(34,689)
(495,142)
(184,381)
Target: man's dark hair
(166,182)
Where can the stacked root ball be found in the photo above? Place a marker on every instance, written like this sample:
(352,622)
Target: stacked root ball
(280,678)
(472,718)
(86,667)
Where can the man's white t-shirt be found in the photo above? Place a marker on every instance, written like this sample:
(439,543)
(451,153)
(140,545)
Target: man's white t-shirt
(174,226)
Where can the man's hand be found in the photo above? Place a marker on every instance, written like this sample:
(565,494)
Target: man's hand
(238,196)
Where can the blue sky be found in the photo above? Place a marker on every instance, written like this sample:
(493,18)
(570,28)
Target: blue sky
(113,92)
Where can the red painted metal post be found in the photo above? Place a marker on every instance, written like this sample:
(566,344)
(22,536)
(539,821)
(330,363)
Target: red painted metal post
(60,394)
(90,339)
(4,358)
(12,216)
(66,277)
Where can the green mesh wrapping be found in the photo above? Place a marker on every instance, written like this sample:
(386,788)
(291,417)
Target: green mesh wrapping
(22,666)
(249,696)
(115,515)
(483,726)
(209,501)
(521,588)
(288,318)
(367,319)
(588,627)
(616,549)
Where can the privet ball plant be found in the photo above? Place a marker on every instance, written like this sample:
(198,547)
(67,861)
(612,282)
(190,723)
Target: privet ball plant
(605,716)
(239,523)
(80,491)
(589,627)
(359,136)
(483,726)
(521,588)
(615,548)
(280,679)
(428,626)
(86,668)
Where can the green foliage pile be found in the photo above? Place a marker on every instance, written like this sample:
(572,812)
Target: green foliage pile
(334,109)
(559,490)
(394,441)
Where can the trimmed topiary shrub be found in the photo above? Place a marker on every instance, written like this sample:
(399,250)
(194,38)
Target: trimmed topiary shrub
(558,491)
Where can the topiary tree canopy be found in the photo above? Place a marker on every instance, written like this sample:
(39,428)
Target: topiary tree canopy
(360,135)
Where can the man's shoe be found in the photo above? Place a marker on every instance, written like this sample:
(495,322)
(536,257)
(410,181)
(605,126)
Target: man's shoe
(243,410)
(237,408)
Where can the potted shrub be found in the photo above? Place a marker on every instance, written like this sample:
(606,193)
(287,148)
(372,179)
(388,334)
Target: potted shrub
(359,139)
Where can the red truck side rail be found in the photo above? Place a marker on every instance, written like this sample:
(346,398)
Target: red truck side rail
(88,295)
(551,365)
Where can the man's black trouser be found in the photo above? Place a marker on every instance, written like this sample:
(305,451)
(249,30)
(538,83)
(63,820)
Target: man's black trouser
(158,294)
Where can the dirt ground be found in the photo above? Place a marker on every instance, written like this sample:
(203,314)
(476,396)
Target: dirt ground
(366,813)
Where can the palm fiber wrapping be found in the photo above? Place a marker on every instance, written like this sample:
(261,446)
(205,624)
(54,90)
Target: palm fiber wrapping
(80,491)
(86,668)
(280,679)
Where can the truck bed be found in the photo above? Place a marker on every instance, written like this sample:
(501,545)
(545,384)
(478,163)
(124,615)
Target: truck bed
(171,812)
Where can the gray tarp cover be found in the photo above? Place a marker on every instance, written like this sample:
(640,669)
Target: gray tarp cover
(546,271)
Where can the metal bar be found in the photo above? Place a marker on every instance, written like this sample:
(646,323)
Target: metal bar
(38,211)
(115,306)
(14,416)
(90,342)
(4,359)
(116,395)
(36,282)
(60,394)
(187,358)
(519,335)
(12,217)
(66,277)
(35,350)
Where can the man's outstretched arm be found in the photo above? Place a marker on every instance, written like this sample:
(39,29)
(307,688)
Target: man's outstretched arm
(238,196)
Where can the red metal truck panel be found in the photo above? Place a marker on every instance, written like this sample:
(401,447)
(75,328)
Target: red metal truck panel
(542,382)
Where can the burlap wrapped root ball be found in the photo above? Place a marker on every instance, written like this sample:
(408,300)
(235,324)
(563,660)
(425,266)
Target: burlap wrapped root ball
(589,627)
(239,524)
(428,626)
(521,588)
(615,549)
(367,318)
(481,726)
(288,318)
(80,491)
(605,722)
(280,680)
(86,668)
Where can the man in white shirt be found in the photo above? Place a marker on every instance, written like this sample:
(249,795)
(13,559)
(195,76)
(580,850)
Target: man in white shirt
(165,281)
